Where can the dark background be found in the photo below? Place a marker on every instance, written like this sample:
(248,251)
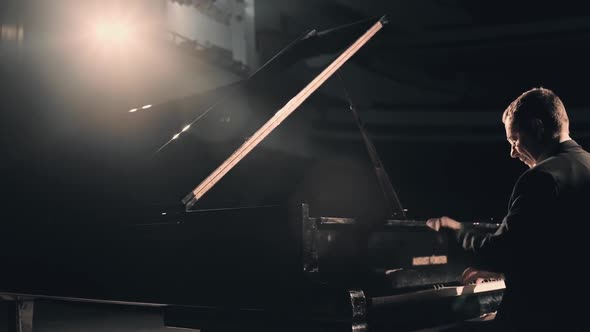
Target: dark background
(430,86)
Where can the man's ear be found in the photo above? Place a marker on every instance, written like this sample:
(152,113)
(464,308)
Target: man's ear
(538,128)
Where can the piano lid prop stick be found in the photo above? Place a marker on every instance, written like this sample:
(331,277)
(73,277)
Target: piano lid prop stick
(279,116)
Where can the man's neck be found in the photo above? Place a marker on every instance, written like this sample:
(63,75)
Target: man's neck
(564,137)
(551,147)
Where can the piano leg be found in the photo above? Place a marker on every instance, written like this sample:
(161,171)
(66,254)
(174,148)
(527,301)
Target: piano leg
(24,314)
(20,313)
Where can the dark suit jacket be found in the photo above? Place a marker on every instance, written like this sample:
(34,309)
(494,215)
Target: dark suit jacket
(542,246)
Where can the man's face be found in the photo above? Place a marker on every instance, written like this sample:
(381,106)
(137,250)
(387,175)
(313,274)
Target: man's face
(521,144)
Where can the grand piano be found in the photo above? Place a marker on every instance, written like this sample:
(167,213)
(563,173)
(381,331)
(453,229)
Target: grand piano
(300,235)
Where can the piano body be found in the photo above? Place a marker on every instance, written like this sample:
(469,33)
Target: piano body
(272,246)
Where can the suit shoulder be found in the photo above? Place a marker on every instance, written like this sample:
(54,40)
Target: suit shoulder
(537,177)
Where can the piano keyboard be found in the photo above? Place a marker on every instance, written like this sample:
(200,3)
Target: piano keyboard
(440,291)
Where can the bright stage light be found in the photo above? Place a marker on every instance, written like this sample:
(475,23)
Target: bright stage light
(112,32)
(146,107)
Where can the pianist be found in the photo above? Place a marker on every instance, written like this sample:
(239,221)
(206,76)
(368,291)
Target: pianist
(540,243)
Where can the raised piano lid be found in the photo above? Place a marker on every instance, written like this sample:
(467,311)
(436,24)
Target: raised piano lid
(121,169)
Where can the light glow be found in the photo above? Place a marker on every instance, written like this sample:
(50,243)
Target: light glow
(146,107)
(186,128)
(133,110)
(112,32)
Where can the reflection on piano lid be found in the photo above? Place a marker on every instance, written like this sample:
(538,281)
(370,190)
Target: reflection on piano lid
(192,198)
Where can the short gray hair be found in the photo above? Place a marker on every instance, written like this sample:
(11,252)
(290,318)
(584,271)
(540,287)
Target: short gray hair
(538,103)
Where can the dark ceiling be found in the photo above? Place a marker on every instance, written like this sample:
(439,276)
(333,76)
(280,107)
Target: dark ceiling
(459,53)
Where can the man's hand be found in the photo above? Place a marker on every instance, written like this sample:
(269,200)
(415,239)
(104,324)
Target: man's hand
(446,222)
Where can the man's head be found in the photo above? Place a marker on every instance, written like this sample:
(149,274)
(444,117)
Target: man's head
(534,122)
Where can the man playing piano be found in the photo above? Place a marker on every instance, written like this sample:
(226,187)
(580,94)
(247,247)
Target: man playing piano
(541,239)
